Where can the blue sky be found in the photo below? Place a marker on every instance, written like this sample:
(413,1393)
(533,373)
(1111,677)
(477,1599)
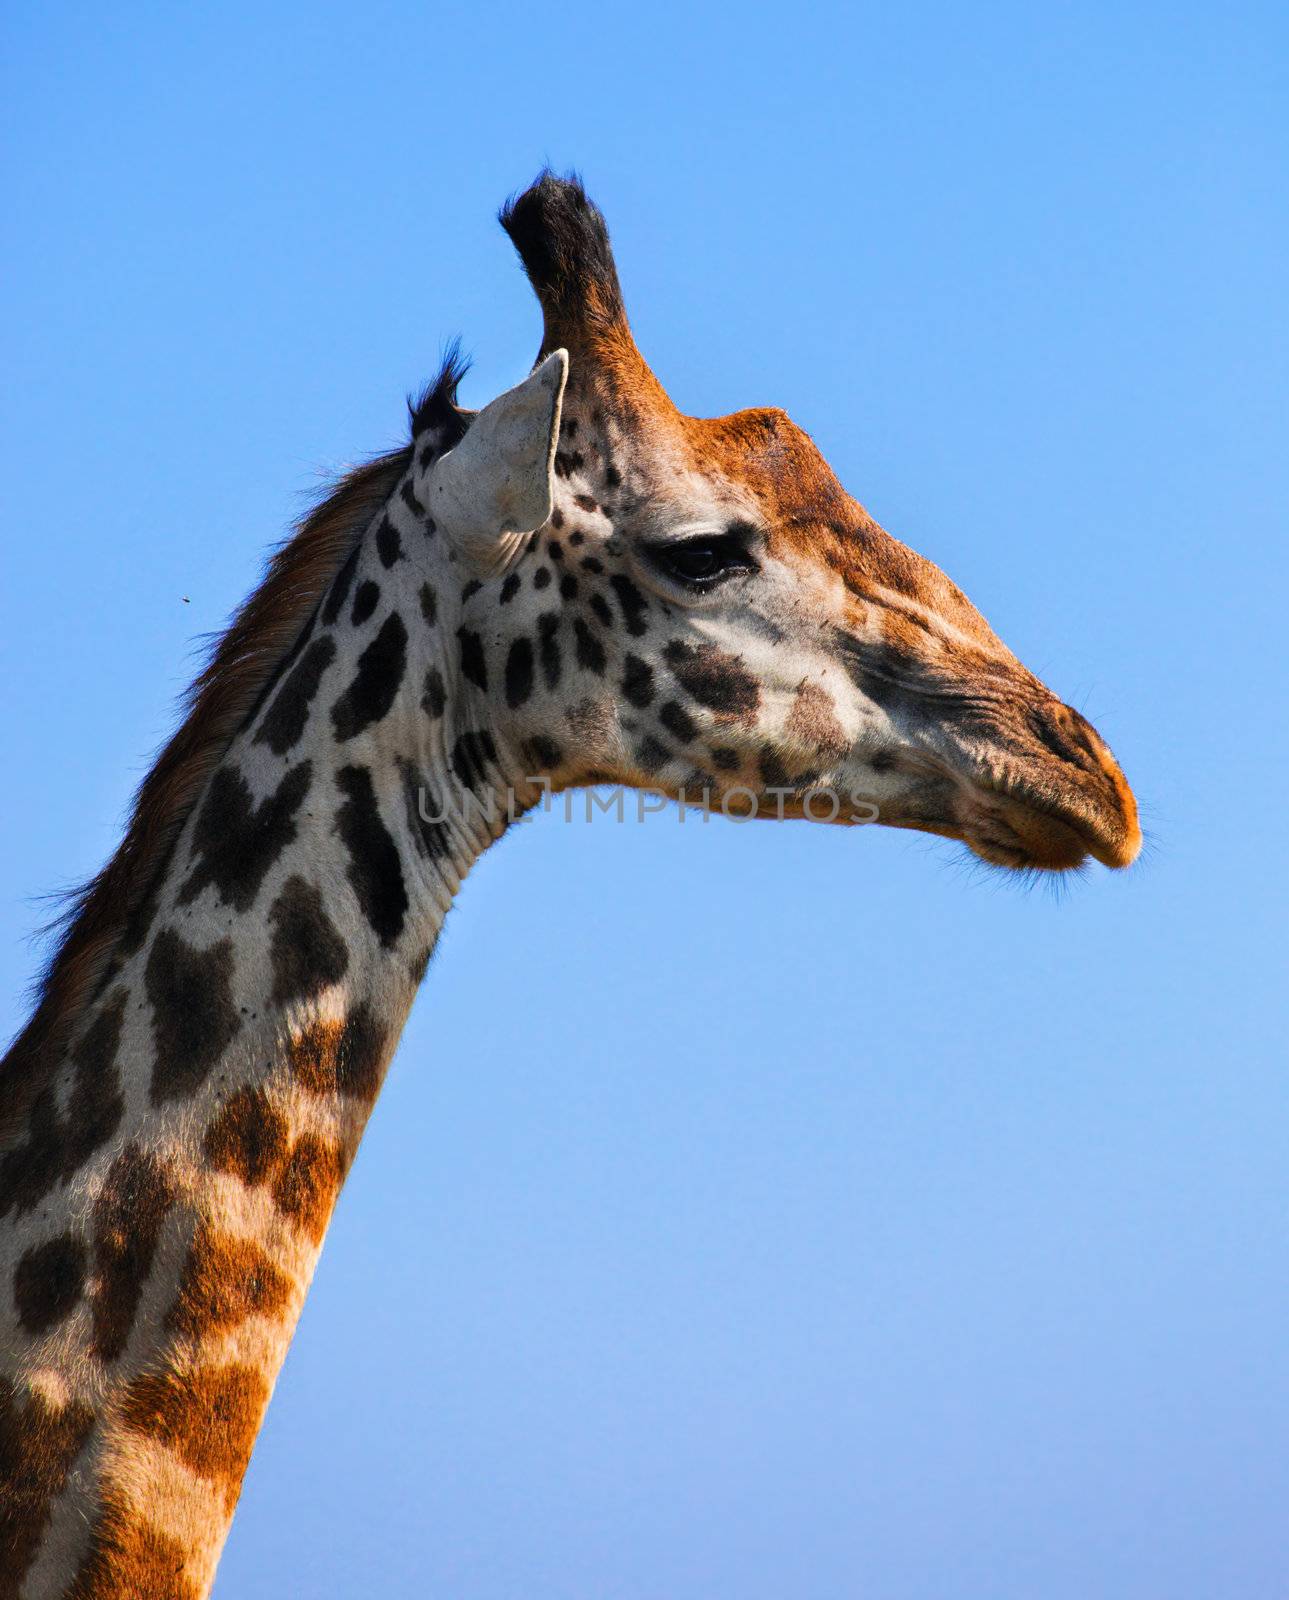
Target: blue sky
(751,1211)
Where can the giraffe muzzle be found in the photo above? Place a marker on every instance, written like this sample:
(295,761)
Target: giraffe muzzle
(1068,801)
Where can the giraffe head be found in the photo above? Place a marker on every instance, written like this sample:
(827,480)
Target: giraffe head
(696,605)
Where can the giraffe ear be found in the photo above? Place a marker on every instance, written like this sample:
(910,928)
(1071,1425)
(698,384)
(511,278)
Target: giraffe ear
(495,488)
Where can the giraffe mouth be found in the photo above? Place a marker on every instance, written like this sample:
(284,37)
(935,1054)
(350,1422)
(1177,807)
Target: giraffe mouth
(1023,823)
(1050,807)
(1020,828)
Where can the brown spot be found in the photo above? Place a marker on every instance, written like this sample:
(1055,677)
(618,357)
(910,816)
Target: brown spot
(47,1282)
(813,720)
(362,1055)
(312,1055)
(127,1222)
(715,679)
(131,1558)
(248,1138)
(335,1058)
(209,1418)
(38,1443)
(308,1184)
(226,1280)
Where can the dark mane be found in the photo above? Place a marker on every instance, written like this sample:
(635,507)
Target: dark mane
(435,408)
(102,917)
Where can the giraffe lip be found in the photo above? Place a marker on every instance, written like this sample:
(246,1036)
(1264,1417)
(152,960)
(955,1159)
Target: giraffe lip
(1020,828)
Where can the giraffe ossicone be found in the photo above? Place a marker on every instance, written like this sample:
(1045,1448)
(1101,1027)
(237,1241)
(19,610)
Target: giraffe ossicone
(579,584)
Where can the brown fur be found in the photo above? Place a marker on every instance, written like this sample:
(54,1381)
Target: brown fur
(307,1186)
(341,1058)
(209,1418)
(249,1138)
(225,1281)
(131,1557)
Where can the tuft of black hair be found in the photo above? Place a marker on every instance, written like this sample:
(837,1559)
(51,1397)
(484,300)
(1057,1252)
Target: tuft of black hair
(563,242)
(436,406)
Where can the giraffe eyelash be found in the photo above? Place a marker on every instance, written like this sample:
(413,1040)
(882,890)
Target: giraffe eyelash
(703,562)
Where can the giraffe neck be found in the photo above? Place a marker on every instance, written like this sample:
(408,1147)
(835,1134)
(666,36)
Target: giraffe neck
(162,1212)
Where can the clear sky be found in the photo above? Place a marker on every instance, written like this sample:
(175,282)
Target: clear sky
(759,1212)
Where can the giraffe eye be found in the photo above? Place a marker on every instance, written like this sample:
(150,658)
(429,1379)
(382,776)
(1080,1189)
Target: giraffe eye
(704,562)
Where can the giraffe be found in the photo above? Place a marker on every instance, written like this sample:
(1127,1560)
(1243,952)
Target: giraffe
(576,585)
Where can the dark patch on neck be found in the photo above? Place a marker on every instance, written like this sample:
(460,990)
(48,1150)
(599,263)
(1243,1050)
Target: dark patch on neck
(193,1016)
(474,664)
(285,720)
(426,819)
(235,842)
(47,1283)
(472,754)
(307,953)
(366,599)
(389,547)
(434,696)
(364,1049)
(284,666)
(39,1441)
(376,682)
(128,1214)
(57,1146)
(375,869)
(340,587)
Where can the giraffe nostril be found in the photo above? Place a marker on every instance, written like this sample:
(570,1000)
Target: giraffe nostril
(1064,733)
(1056,729)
